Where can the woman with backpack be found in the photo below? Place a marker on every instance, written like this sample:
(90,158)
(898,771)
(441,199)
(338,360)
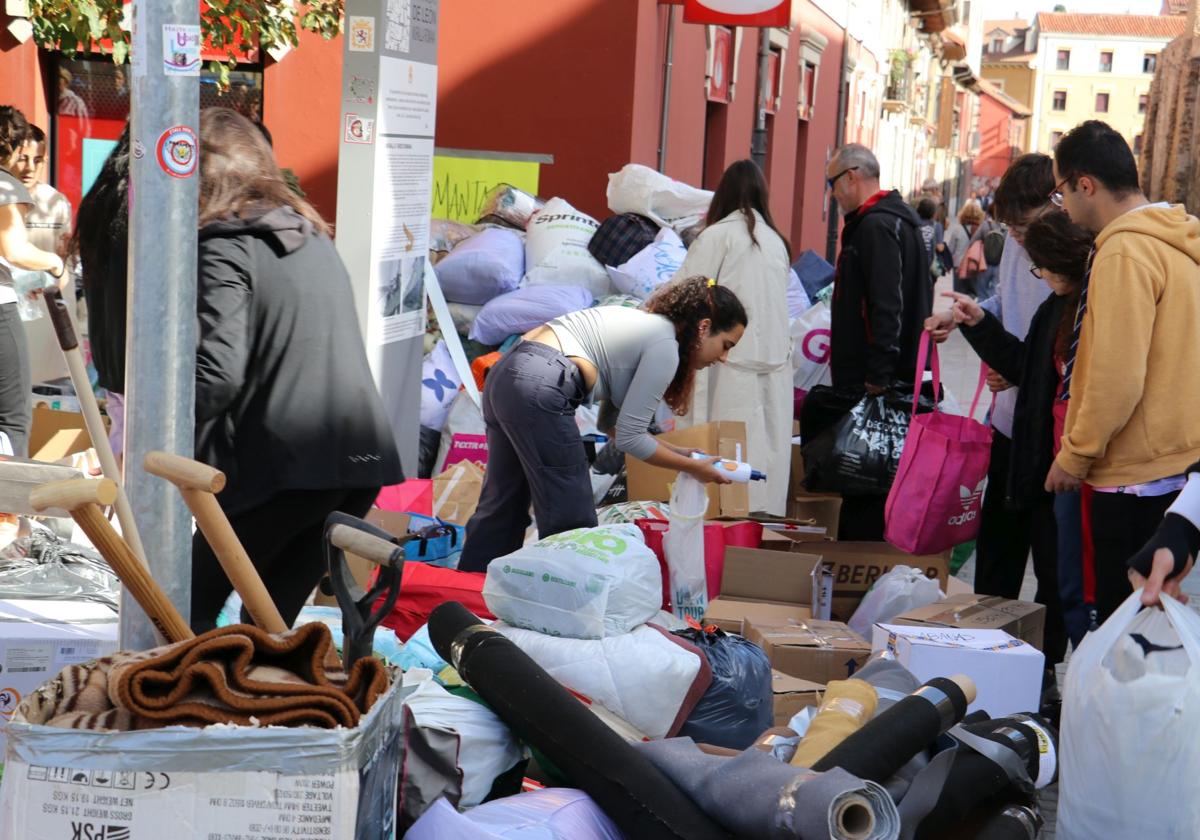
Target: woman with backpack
(966,251)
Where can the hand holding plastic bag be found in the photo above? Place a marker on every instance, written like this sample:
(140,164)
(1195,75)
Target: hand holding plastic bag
(1129,752)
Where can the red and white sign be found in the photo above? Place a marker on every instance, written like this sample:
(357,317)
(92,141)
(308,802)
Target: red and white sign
(720,79)
(738,12)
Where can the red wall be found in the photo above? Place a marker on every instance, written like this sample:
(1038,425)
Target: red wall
(995,137)
(21,82)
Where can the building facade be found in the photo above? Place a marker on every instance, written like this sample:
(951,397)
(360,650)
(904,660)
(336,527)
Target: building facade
(1095,67)
(1169,165)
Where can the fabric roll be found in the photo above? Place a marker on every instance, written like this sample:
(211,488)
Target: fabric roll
(637,796)
(847,706)
(991,758)
(889,741)
(893,682)
(754,795)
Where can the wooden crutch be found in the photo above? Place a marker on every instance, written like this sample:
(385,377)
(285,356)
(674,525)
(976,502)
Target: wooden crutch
(83,498)
(198,483)
(64,329)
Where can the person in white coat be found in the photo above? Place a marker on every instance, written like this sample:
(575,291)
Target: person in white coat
(741,248)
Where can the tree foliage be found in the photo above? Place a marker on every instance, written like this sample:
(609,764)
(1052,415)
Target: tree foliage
(233,26)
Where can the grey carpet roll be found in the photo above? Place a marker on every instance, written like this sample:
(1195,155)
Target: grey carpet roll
(894,682)
(755,795)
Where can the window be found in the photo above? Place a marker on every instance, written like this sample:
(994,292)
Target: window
(1101,103)
(1060,100)
(1149,62)
(997,45)
(1064,60)
(1106,62)
(1137,145)
(1055,136)
(1143,103)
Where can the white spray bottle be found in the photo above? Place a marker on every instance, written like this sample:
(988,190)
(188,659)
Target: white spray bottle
(738,471)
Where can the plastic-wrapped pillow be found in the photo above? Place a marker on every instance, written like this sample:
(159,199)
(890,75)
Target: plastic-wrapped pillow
(488,264)
(439,386)
(520,311)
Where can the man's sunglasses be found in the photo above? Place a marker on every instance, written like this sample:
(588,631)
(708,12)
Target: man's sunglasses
(834,179)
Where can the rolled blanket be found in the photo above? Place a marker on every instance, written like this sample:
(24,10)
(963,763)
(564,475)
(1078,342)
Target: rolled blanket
(236,675)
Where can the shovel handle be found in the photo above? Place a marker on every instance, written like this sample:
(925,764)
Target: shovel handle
(197,483)
(367,546)
(60,318)
(72,494)
(184,473)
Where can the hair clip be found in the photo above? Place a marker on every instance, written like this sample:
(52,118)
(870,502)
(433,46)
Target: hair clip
(711,282)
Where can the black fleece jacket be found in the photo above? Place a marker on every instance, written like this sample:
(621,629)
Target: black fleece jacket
(284,394)
(882,296)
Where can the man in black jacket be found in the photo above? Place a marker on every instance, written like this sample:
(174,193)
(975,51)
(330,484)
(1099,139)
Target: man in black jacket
(882,294)
(883,290)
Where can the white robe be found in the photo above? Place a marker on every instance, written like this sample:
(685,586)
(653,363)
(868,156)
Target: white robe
(755,385)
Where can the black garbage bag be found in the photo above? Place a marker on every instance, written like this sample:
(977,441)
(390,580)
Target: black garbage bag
(738,706)
(859,453)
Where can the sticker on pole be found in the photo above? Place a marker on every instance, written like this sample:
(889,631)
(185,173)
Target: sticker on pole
(181,49)
(359,130)
(177,151)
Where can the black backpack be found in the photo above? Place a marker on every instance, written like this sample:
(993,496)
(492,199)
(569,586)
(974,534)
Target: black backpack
(993,247)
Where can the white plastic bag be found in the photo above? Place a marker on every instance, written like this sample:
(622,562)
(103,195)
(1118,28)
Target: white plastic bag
(642,677)
(1129,753)
(683,546)
(463,418)
(550,814)
(650,267)
(556,251)
(439,387)
(811,335)
(900,590)
(584,584)
(797,298)
(671,203)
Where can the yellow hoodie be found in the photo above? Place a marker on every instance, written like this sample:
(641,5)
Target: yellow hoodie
(1134,414)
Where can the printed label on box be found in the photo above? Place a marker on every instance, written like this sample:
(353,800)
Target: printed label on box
(52,803)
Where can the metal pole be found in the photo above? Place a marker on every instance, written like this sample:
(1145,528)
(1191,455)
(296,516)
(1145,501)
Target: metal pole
(160,350)
(666,104)
(758,142)
(831,234)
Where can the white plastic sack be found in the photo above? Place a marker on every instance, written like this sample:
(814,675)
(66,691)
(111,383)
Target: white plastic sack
(487,749)
(584,584)
(683,546)
(811,334)
(650,267)
(671,203)
(485,266)
(550,814)
(900,590)
(518,312)
(439,386)
(464,418)
(641,677)
(556,251)
(1129,753)
(463,315)
(798,299)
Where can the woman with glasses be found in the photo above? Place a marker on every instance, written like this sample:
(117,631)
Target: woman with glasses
(1059,251)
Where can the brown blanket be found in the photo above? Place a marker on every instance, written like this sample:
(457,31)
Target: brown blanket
(238,675)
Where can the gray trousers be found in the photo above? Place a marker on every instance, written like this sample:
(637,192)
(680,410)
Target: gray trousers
(15,387)
(535,454)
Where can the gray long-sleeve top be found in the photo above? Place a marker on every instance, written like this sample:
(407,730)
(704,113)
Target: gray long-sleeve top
(636,355)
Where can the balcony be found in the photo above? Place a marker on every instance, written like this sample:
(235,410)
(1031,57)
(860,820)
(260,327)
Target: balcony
(895,97)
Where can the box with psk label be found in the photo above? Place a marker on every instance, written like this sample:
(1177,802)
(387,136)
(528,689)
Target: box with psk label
(40,638)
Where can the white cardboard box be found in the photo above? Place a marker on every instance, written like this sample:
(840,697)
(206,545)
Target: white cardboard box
(1007,671)
(40,638)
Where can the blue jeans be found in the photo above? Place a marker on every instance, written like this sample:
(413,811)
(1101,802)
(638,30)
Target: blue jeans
(1076,614)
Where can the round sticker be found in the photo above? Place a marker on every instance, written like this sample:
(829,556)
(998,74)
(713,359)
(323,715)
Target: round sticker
(10,698)
(177,151)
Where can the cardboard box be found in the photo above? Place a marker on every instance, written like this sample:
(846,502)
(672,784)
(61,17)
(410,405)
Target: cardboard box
(812,518)
(1022,619)
(791,694)
(53,435)
(812,650)
(772,577)
(730,614)
(456,492)
(1007,671)
(725,438)
(40,638)
(857,565)
(393,522)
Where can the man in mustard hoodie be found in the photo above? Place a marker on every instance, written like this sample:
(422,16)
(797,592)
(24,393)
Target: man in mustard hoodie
(1133,372)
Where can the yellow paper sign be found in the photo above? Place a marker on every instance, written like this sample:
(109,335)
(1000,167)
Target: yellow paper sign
(459,183)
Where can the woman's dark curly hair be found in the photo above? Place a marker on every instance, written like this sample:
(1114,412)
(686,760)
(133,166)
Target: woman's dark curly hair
(14,131)
(1056,244)
(687,303)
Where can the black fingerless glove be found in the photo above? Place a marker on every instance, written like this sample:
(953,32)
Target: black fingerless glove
(1175,533)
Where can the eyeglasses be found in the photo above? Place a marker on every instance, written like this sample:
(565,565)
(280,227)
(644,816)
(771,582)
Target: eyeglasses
(1036,272)
(834,179)
(1056,196)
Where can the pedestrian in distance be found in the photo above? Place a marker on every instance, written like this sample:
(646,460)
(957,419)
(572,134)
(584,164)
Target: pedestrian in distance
(19,252)
(967,256)
(743,250)
(1129,374)
(286,405)
(631,360)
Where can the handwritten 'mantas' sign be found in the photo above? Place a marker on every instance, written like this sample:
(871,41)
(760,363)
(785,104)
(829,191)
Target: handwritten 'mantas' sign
(738,12)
